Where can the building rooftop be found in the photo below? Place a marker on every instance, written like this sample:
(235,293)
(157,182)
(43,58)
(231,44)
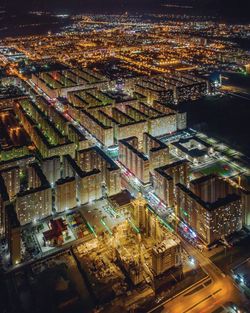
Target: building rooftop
(194,147)
(172,165)
(65,180)
(57,227)
(207,205)
(203,179)
(165,245)
(126,142)
(122,198)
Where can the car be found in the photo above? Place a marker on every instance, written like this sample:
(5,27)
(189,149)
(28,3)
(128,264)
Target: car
(234,307)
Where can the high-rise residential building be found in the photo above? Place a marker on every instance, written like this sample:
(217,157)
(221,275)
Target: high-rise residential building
(94,158)
(181,120)
(89,186)
(245,200)
(166,255)
(157,152)
(211,207)
(133,159)
(65,194)
(51,168)
(145,219)
(21,162)
(210,188)
(166,177)
(163,186)
(139,212)
(43,133)
(11,178)
(171,87)
(13,235)
(35,200)
(4,200)
(179,171)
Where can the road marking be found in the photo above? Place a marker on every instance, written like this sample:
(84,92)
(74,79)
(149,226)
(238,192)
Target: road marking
(198,288)
(195,305)
(203,300)
(178,294)
(217,291)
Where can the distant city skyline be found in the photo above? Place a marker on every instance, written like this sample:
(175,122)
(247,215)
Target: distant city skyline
(224,8)
(124,156)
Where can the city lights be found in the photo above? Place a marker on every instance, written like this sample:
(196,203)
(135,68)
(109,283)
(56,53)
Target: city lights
(121,188)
